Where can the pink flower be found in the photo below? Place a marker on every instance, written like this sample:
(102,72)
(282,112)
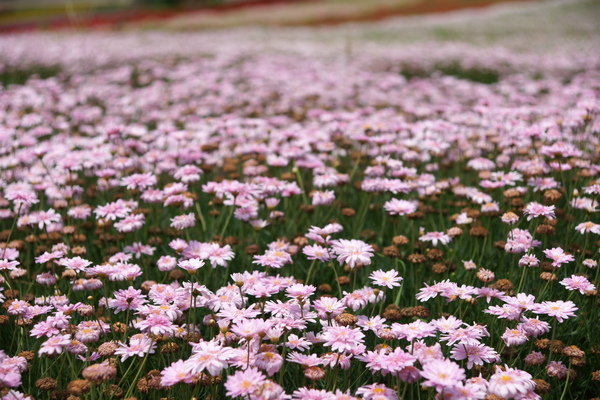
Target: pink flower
(533,327)
(529,260)
(561,310)
(534,210)
(520,241)
(316,252)
(586,227)
(125,299)
(191,265)
(514,337)
(306,360)
(210,357)
(296,342)
(188,173)
(510,218)
(475,354)
(139,345)
(442,373)
(352,252)
(54,345)
(304,393)
(322,235)
(558,256)
(130,223)
(415,330)
(510,383)
(77,264)
(166,263)
(139,181)
(323,198)
(376,391)
(576,282)
(138,249)
(80,212)
(243,383)
(342,338)
(273,259)
(44,258)
(269,361)
(557,369)
(435,237)
(400,207)
(21,196)
(6,265)
(183,221)
(175,373)
(112,211)
(390,279)
(328,307)
(250,328)
(157,324)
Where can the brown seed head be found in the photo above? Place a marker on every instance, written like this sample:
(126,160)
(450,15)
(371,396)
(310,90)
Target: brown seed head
(542,344)
(28,355)
(325,288)
(346,319)
(107,349)
(435,254)
(314,373)
(551,196)
(99,372)
(455,231)
(503,285)
(78,387)
(344,280)
(46,384)
(113,392)
(416,258)
(392,315)
(168,348)
(512,193)
(399,240)
(439,268)
(557,346)
(541,386)
(252,249)
(546,230)
(573,351)
(478,231)
(548,276)
(391,251)
(348,212)
(119,328)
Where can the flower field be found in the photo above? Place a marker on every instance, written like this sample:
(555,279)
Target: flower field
(234,214)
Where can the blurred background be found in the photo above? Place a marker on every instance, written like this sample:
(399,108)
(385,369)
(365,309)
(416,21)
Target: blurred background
(18,15)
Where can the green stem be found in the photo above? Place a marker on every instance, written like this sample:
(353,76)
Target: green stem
(562,396)
(137,375)
(221,236)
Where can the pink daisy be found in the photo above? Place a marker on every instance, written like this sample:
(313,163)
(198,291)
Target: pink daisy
(510,383)
(558,256)
(244,383)
(576,282)
(390,278)
(534,210)
(442,373)
(435,237)
(175,373)
(561,310)
(400,207)
(342,338)
(352,252)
